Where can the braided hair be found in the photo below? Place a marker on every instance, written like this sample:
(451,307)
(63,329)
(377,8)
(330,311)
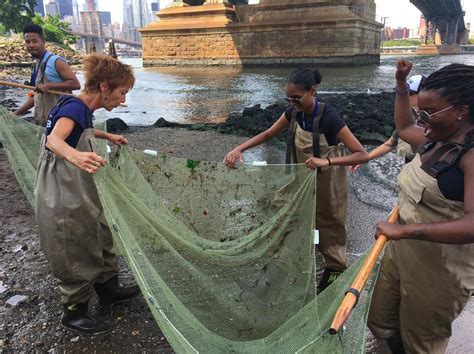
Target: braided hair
(455,83)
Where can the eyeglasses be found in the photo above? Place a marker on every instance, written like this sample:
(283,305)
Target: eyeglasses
(296,100)
(423,116)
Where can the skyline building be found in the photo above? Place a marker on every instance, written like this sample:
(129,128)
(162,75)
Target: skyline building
(65,8)
(91,5)
(76,12)
(128,12)
(51,8)
(105,18)
(39,7)
(141,14)
(155,7)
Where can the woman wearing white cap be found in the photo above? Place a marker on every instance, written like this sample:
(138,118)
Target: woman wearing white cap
(403,149)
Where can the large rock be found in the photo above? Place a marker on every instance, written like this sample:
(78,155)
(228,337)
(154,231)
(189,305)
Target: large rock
(369,116)
(116,125)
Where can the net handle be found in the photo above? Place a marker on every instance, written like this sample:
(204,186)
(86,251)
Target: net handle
(351,297)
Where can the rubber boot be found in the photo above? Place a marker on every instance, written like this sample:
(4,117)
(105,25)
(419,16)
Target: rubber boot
(329,276)
(111,293)
(76,318)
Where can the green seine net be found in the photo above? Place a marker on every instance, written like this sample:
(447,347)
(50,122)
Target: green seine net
(224,257)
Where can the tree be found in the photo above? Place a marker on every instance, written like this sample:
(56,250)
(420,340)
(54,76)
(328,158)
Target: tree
(14,14)
(55,30)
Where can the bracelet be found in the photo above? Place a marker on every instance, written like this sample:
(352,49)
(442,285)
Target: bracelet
(329,161)
(403,93)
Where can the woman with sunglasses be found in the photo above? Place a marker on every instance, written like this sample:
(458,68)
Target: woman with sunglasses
(318,137)
(427,272)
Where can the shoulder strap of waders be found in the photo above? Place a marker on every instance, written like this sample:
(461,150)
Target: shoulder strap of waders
(424,147)
(442,158)
(291,136)
(43,64)
(316,121)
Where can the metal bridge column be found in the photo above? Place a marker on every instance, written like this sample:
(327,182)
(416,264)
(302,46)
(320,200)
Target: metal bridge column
(446,34)
(456,36)
(427,21)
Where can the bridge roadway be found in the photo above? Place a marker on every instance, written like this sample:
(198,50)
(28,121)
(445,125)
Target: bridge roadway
(116,40)
(447,16)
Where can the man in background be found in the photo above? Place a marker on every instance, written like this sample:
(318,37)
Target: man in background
(51,72)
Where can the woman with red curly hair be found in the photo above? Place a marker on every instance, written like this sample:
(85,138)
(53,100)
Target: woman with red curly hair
(73,232)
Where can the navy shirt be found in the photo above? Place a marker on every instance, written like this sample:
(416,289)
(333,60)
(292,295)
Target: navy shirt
(75,109)
(330,123)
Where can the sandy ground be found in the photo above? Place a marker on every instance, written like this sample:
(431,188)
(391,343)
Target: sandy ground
(33,324)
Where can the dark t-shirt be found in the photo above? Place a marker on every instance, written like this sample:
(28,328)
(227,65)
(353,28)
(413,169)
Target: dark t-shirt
(330,123)
(75,109)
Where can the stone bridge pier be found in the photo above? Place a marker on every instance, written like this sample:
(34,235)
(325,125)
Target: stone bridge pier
(283,33)
(93,45)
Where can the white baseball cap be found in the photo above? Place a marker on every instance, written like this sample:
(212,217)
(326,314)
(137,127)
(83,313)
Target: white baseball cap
(415,83)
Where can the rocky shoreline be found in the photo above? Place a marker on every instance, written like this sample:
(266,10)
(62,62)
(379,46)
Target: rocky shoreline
(369,116)
(14,54)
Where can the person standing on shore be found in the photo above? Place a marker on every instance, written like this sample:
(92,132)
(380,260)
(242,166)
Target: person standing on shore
(403,149)
(427,271)
(74,234)
(316,131)
(51,72)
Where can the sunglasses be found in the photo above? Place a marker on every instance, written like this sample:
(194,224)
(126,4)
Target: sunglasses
(424,117)
(297,101)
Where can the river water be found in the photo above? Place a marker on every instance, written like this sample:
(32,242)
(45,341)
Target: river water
(192,95)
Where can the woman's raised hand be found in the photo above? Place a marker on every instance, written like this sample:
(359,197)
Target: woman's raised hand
(403,69)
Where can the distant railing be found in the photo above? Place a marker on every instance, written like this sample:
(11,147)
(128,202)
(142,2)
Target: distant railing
(413,49)
(105,37)
(404,49)
(129,53)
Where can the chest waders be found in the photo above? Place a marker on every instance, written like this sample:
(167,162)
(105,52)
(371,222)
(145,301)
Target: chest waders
(74,234)
(44,102)
(422,286)
(405,150)
(331,188)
